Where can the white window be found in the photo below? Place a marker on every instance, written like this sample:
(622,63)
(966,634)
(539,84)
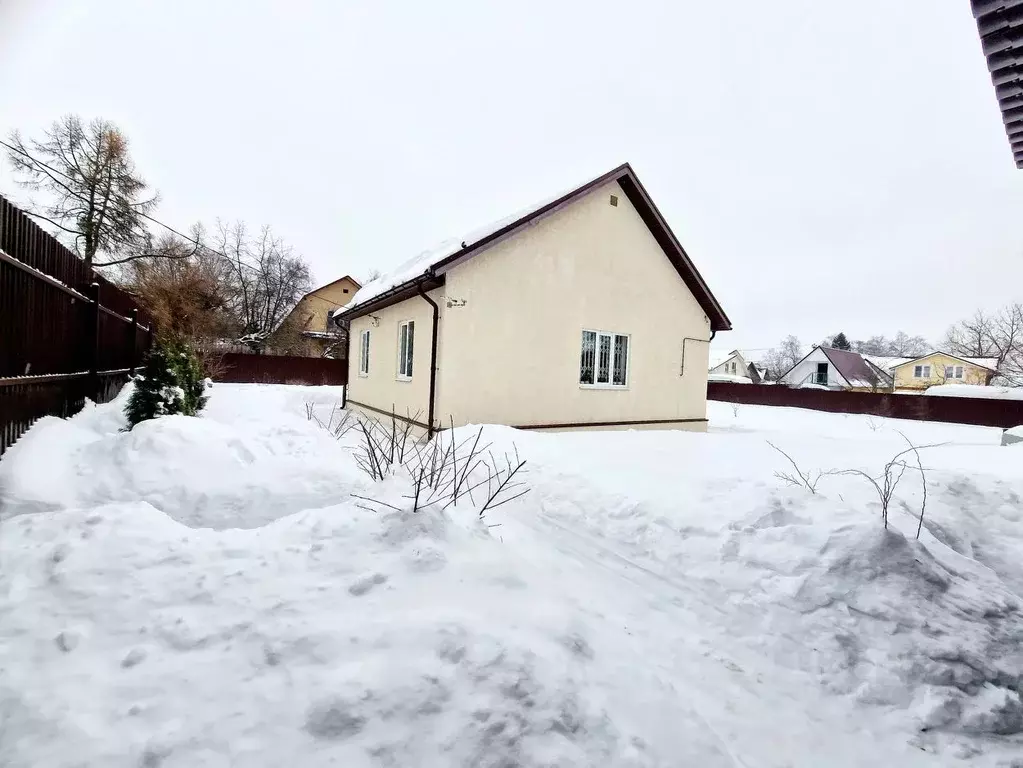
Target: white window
(959,372)
(949,372)
(364,353)
(406,332)
(921,372)
(605,359)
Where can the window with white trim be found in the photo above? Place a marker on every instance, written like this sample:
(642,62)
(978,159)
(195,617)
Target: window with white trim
(604,361)
(950,372)
(406,332)
(364,353)
(921,372)
(959,372)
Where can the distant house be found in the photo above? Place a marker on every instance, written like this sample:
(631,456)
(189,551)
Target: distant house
(734,363)
(310,319)
(581,312)
(828,368)
(942,368)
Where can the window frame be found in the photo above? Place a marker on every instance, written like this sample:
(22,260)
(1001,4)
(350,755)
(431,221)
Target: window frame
(410,346)
(364,342)
(960,371)
(609,384)
(921,371)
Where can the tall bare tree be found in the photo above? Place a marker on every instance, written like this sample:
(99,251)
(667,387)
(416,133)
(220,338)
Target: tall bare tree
(779,359)
(997,335)
(94,196)
(267,280)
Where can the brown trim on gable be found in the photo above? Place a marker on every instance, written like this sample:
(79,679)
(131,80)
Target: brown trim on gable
(576,425)
(641,201)
(399,293)
(387,413)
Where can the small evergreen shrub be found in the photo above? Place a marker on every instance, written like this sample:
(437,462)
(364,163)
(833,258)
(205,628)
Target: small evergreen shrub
(171,382)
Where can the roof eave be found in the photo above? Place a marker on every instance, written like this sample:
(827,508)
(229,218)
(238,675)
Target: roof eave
(399,293)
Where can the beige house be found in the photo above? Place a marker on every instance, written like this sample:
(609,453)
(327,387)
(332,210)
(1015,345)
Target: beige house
(310,319)
(584,311)
(943,368)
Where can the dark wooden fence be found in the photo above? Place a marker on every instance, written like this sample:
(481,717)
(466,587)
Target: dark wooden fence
(280,369)
(956,410)
(66,333)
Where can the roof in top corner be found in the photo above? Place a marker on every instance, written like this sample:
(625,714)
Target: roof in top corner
(427,268)
(1000,23)
(854,368)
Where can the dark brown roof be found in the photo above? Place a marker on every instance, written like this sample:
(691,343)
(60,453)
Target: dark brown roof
(854,369)
(640,199)
(1000,23)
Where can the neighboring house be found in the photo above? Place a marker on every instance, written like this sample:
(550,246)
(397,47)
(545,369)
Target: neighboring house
(583,311)
(943,368)
(836,369)
(310,319)
(734,363)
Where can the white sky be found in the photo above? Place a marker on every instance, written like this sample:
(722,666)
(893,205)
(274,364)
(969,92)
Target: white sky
(828,166)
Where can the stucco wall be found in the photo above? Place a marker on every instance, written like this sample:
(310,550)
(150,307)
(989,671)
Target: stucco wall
(972,374)
(511,352)
(801,374)
(382,389)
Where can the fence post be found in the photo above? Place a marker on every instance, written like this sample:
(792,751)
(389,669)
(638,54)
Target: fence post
(92,342)
(134,331)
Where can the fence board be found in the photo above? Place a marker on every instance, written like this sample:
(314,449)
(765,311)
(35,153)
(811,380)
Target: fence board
(954,410)
(281,369)
(52,333)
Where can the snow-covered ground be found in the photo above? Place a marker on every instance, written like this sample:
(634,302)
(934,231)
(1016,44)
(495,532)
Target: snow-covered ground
(207,592)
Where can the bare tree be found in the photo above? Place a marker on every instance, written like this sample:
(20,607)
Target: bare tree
(900,345)
(187,293)
(997,335)
(779,359)
(94,196)
(267,280)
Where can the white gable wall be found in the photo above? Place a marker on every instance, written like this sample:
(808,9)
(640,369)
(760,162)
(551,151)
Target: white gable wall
(804,370)
(741,368)
(511,337)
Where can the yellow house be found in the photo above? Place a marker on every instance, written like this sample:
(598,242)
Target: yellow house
(308,328)
(943,368)
(583,312)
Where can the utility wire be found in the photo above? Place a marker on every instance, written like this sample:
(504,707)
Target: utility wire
(146,216)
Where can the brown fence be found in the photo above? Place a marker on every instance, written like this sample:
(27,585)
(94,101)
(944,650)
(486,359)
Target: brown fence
(280,369)
(956,410)
(66,333)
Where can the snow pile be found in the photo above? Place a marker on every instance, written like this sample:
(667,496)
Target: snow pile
(975,390)
(210,592)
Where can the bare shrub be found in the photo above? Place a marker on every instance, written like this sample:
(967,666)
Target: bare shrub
(891,474)
(340,423)
(808,480)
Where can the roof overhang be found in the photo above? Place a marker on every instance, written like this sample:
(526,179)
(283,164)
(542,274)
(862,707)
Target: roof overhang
(1000,23)
(641,201)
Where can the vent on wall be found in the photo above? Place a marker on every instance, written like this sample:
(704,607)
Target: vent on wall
(614,201)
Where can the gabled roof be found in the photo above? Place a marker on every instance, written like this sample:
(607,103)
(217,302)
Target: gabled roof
(358,285)
(852,367)
(716,357)
(427,270)
(989,363)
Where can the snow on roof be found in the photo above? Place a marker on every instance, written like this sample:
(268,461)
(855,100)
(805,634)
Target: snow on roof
(420,264)
(729,379)
(975,390)
(854,368)
(990,363)
(717,357)
(886,362)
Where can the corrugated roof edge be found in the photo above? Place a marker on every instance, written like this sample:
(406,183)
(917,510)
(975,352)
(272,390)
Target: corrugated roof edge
(640,199)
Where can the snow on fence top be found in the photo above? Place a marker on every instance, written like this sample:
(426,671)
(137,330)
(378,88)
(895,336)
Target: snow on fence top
(975,390)
(420,265)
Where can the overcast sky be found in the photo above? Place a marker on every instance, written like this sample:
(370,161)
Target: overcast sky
(828,166)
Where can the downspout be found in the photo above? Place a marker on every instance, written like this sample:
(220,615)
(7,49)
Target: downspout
(347,327)
(433,361)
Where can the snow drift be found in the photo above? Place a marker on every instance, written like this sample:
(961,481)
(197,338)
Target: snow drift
(209,592)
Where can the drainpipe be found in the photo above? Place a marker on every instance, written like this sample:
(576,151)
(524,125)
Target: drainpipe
(433,361)
(346,325)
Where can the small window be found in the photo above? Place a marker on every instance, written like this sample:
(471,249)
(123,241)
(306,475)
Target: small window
(364,353)
(344,290)
(614,201)
(927,371)
(949,372)
(604,359)
(959,372)
(406,333)
(918,371)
